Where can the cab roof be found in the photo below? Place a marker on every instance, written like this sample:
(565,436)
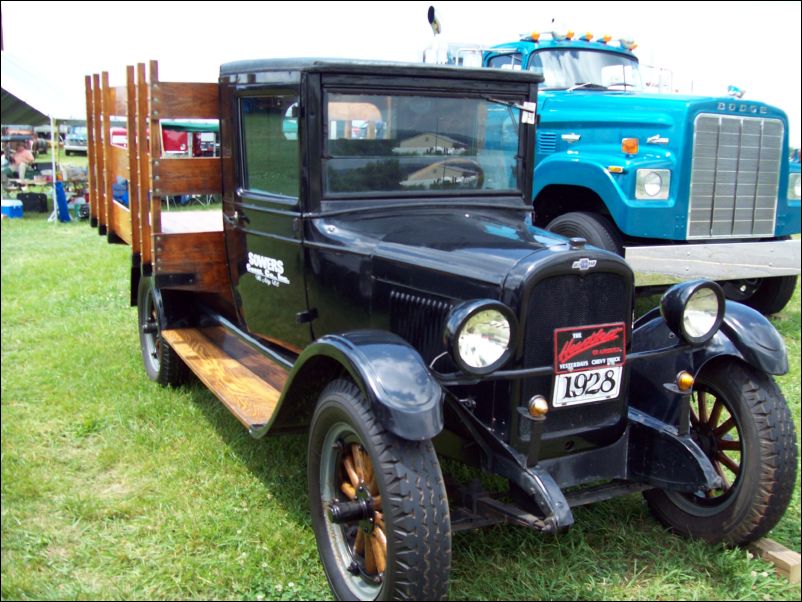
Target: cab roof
(360,67)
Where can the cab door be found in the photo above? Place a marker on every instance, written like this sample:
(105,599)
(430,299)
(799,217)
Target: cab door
(263,237)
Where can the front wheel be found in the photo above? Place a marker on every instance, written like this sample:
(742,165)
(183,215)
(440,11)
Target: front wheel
(766,295)
(379,505)
(596,229)
(741,421)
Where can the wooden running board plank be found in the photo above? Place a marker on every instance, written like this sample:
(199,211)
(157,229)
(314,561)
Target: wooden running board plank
(250,398)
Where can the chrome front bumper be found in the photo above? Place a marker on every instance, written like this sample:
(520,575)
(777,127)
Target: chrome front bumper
(668,264)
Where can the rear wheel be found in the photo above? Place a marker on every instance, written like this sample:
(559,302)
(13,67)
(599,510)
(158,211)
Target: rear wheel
(594,228)
(162,363)
(379,506)
(766,295)
(741,421)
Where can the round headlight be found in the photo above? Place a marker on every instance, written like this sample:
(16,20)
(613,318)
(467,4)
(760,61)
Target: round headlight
(479,335)
(701,313)
(694,310)
(652,184)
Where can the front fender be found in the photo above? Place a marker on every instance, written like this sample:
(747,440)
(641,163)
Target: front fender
(749,335)
(405,397)
(745,334)
(565,170)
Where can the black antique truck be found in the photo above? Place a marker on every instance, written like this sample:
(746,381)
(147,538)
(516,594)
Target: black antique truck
(373,280)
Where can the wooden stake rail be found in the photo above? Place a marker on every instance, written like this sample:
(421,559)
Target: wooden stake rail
(138,106)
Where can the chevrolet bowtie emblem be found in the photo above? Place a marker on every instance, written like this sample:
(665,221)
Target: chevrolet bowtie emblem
(584,264)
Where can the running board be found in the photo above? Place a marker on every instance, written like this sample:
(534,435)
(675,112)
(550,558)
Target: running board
(248,383)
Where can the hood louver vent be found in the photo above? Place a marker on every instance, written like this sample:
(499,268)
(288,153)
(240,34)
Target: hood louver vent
(546,142)
(420,320)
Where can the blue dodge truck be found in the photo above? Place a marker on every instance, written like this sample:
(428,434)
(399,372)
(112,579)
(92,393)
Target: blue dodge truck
(682,186)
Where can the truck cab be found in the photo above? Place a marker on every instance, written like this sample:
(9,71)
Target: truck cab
(682,186)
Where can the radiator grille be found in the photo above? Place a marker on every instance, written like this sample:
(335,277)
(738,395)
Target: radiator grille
(735,176)
(420,320)
(566,301)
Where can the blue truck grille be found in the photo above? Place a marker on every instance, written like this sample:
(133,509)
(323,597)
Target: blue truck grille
(735,176)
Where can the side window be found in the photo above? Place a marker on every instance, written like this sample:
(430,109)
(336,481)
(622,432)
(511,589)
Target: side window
(270,143)
(505,61)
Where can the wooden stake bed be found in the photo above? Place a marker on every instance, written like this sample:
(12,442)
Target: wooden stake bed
(245,381)
(185,249)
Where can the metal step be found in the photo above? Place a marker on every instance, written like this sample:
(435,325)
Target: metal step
(248,383)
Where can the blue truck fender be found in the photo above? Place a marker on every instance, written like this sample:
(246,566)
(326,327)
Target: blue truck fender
(405,397)
(565,170)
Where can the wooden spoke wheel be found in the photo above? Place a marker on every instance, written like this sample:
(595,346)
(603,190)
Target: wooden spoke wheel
(717,431)
(742,423)
(379,506)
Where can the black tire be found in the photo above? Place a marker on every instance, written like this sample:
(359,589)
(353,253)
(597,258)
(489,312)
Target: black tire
(766,295)
(742,422)
(594,228)
(162,364)
(411,517)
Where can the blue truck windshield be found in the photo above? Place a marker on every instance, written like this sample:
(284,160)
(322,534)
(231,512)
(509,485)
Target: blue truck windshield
(575,68)
(407,144)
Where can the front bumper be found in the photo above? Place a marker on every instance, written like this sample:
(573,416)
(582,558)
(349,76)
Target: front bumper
(669,264)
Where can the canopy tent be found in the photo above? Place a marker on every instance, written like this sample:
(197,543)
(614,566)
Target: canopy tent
(28,97)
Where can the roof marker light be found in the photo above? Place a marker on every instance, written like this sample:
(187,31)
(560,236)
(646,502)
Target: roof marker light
(535,36)
(604,39)
(588,37)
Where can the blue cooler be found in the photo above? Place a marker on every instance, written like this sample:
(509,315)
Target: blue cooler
(12,208)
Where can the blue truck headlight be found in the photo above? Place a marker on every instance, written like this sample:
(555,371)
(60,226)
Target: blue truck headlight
(794,186)
(694,310)
(480,334)
(652,184)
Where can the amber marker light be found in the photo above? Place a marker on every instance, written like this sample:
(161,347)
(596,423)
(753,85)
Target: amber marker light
(684,381)
(629,146)
(615,169)
(538,406)
(535,36)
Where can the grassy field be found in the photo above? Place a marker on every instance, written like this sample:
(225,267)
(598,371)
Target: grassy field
(115,488)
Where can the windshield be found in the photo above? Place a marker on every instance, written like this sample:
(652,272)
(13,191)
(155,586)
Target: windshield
(574,68)
(387,143)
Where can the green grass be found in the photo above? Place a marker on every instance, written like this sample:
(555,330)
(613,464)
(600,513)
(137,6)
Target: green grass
(115,488)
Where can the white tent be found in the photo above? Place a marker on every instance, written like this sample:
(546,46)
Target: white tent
(28,97)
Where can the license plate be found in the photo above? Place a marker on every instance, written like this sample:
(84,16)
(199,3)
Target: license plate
(588,363)
(586,386)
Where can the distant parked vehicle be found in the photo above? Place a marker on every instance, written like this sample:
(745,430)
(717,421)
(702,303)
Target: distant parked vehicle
(75,142)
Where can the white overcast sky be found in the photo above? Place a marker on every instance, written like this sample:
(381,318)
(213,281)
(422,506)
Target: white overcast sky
(706,45)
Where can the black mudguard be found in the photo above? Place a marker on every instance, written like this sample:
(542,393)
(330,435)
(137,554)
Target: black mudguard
(405,397)
(745,334)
